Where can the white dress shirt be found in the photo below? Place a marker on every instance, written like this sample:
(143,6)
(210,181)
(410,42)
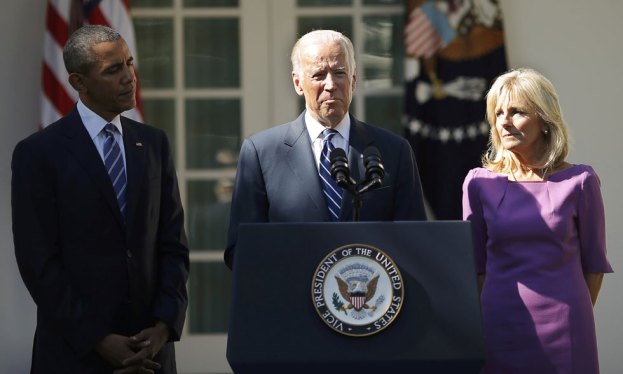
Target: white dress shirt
(95,124)
(315,129)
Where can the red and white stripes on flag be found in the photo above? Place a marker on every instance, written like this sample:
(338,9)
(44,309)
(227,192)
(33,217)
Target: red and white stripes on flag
(62,18)
(421,37)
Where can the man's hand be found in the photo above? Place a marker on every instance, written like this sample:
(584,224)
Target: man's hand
(137,369)
(116,349)
(147,344)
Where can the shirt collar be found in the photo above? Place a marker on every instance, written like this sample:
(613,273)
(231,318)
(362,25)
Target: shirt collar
(93,122)
(314,128)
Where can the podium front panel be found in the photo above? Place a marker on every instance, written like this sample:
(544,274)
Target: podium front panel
(274,326)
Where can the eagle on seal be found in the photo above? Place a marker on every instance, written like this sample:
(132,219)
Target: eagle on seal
(358,291)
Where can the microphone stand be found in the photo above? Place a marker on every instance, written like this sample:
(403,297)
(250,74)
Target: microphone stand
(357,203)
(348,184)
(357,191)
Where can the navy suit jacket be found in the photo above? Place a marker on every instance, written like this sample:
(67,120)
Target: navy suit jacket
(89,273)
(277,179)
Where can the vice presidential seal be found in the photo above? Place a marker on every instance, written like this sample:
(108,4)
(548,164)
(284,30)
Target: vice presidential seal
(357,290)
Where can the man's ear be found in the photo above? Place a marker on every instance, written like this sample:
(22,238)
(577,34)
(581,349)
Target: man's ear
(77,82)
(297,84)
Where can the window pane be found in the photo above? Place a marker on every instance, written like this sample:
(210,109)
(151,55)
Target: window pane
(151,3)
(341,24)
(208,213)
(154,40)
(383,2)
(161,113)
(209,288)
(383,52)
(311,3)
(211,3)
(212,52)
(385,111)
(212,133)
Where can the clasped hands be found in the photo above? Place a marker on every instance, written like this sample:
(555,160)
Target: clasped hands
(134,354)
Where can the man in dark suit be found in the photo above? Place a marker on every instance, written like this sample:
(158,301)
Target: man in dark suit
(278,170)
(98,225)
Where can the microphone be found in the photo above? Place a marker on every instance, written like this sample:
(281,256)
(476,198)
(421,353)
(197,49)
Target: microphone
(339,168)
(375,172)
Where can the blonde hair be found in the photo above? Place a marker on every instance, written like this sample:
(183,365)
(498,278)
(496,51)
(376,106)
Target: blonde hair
(539,94)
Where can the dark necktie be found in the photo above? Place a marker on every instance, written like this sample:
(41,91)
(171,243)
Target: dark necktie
(113,160)
(332,192)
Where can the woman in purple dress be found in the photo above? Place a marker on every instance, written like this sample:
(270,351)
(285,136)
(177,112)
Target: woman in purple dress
(539,235)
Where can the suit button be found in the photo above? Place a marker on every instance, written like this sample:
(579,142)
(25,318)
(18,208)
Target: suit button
(129,254)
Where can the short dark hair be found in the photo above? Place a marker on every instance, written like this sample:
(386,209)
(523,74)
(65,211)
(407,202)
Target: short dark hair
(77,53)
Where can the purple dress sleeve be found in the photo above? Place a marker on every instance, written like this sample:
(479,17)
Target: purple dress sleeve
(591,225)
(472,211)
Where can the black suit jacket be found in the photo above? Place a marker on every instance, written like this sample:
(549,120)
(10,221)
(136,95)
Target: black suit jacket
(277,179)
(89,273)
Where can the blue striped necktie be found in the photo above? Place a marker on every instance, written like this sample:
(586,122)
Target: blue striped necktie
(113,160)
(332,192)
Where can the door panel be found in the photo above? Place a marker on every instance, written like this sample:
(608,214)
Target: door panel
(214,72)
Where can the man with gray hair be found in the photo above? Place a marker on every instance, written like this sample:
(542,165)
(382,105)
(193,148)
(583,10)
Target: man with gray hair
(98,225)
(282,175)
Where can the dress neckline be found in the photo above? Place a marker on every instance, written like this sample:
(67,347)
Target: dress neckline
(556,173)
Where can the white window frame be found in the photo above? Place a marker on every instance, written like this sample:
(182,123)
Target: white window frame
(268,29)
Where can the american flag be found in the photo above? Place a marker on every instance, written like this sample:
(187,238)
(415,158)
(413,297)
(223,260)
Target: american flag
(62,18)
(426,30)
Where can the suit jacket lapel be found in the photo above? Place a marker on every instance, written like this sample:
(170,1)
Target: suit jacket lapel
(359,140)
(135,165)
(299,154)
(80,144)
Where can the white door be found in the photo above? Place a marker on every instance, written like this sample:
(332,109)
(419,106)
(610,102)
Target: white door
(213,72)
